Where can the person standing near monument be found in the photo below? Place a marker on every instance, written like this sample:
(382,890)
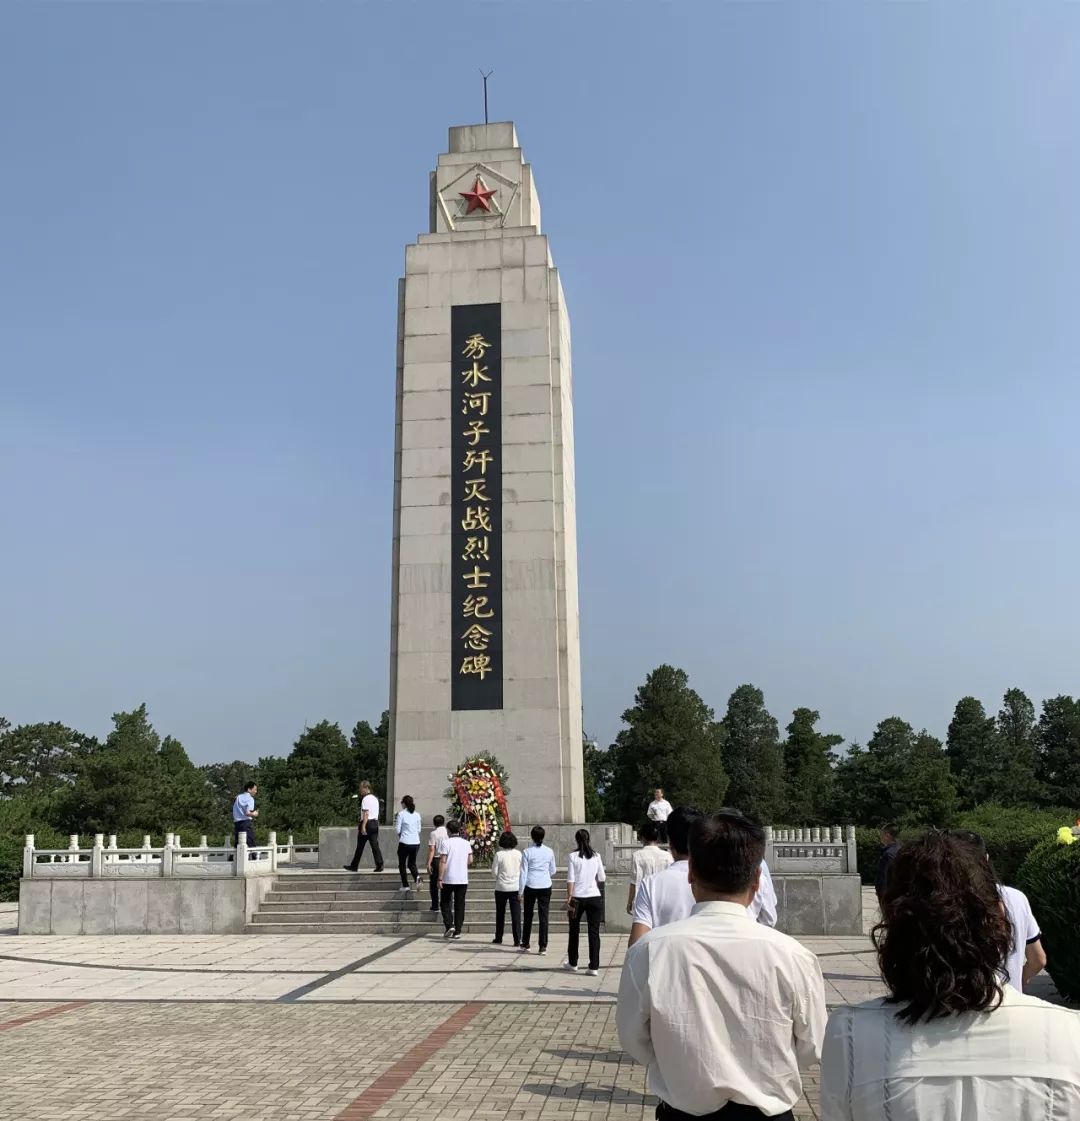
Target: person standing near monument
(648,860)
(506,869)
(367,830)
(659,811)
(455,857)
(584,900)
(435,839)
(534,887)
(244,814)
(407,826)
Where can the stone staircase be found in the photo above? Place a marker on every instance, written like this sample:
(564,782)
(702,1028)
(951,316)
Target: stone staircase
(313,901)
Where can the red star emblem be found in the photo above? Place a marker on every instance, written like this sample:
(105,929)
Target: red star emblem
(479,197)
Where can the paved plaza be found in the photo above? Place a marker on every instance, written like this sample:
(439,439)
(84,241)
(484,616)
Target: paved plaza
(318,1028)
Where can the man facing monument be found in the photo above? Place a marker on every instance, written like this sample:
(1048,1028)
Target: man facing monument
(484,638)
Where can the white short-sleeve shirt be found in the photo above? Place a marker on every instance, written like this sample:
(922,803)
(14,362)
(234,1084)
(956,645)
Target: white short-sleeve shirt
(1024,930)
(456,851)
(649,860)
(370,803)
(660,809)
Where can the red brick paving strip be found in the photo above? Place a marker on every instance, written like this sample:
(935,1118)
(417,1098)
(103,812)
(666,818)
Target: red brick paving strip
(395,1077)
(45,1013)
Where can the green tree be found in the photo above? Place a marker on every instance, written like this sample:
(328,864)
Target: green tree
(1018,739)
(902,776)
(226,780)
(808,768)
(186,798)
(599,779)
(370,751)
(671,740)
(39,758)
(315,784)
(752,756)
(1058,759)
(117,787)
(973,750)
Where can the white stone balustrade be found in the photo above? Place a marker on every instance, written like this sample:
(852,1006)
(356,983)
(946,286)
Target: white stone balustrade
(171,859)
(816,848)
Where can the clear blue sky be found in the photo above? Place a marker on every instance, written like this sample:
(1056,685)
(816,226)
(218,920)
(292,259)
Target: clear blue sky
(823,267)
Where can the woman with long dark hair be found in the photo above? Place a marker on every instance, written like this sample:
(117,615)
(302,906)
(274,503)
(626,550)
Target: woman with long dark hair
(584,876)
(952,1040)
(407,824)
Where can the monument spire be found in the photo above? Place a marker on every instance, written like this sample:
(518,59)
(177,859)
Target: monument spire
(485,652)
(485,77)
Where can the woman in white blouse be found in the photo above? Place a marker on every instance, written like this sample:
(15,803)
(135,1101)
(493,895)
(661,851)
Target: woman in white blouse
(952,1041)
(407,826)
(506,868)
(584,900)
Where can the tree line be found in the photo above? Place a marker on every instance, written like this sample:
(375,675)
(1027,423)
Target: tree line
(672,739)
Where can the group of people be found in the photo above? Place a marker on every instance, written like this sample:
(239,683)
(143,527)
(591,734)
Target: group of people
(726,1011)
(523,878)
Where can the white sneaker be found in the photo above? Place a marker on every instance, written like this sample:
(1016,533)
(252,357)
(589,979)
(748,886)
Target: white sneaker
(592,972)
(568,966)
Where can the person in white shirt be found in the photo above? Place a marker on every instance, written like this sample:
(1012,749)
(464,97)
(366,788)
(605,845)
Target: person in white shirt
(435,838)
(649,859)
(534,887)
(368,830)
(584,900)
(666,896)
(951,1040)
(455,856)
(659,811)
(723,1010)
(407,826)
(506,868)
(1026,957)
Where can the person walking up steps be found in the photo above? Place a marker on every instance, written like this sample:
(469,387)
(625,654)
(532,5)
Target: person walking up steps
(584,876)
(507,872)
(534,886)
(435,840)
(367,830)
(407,826)
(456,856)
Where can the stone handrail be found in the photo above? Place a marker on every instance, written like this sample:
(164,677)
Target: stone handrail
(103,861)
(825,848)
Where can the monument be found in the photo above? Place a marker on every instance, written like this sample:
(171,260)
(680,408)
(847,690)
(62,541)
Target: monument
(485,652)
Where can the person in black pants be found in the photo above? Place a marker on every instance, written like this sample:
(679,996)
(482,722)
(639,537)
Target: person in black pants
(584,901)
(435,839)
(367,830)
(537,868)
(454,879)
(507,872)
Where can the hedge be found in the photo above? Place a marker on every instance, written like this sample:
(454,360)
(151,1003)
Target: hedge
(1010,834)
(1051,878)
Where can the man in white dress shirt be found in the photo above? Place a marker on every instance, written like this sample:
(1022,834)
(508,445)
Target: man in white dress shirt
(666,897)
(659,811)
(723,1010)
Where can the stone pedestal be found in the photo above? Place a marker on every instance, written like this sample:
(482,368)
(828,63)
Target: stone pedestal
(484,642)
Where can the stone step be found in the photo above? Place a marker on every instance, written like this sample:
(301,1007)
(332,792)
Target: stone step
(390,906)
(556,933)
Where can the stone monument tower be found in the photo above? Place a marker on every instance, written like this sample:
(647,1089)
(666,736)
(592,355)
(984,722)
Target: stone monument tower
(485,651)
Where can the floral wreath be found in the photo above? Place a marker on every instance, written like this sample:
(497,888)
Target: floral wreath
(477,795)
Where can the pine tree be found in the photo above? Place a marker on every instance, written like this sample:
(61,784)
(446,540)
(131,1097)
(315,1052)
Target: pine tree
(808,767)
(1018,742)
(753,757)
(974,751)
(1059,751)
(671,740)
(371,748)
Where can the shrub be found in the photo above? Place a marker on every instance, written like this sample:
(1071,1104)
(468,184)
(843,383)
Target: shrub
(1051,878)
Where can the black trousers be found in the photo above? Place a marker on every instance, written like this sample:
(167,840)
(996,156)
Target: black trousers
(433,883)
(733,1111)
(590,911)
(501,900)
(407,853)
(362,838)
(661,828)
(247,827)
(540,898)
(453,905)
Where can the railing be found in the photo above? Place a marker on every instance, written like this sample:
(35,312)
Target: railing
(814,848)
(104,861)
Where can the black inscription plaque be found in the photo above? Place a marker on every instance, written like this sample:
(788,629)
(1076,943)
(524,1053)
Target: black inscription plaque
(476,639)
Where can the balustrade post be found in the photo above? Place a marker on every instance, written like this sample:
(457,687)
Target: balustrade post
(292,850)
(273,851)
(110,852)
(73,848)
(28,857)
(144,857)
(167,857)
(97,856)
(852,854)
(241,855)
